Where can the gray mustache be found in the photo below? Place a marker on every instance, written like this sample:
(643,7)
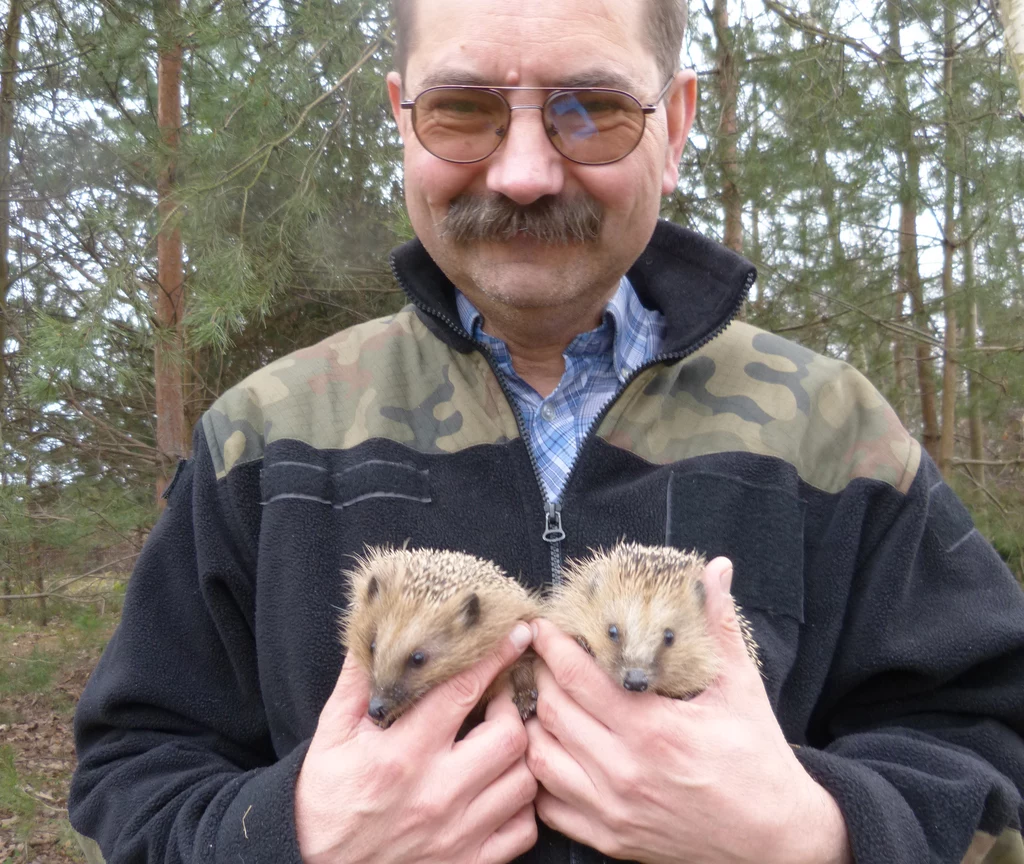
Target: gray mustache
(551,219)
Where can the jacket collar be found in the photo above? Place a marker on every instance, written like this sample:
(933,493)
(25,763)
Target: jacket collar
(697,284)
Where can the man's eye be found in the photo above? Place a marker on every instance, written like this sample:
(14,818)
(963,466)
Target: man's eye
(599,106)
(458,106)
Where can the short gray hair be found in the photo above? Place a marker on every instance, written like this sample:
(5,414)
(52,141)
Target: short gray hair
(666,26)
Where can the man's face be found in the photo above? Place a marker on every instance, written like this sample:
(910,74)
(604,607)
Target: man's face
(540,43)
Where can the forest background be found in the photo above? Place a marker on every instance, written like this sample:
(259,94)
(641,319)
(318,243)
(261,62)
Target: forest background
(189,190)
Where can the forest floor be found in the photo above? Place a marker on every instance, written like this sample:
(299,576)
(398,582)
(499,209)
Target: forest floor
(42,673)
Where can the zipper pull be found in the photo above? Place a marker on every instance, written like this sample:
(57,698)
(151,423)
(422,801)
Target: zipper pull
(553,532)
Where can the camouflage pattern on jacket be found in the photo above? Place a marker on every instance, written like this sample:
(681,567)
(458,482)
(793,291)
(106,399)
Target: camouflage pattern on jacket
(747,391)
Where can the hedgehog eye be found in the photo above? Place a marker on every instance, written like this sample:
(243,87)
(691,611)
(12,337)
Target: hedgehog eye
(373,646)
(613,633)
(417,659)
(670,637)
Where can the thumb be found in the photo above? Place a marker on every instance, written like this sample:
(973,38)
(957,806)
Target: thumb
(444,708)
(348,703)
(725,623)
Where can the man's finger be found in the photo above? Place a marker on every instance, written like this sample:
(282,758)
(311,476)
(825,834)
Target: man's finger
(515,837)
(501,800)
(584,736)
(348,703)
(569,821)
(441,712)
(501,706)
(738,669)
(492,748)
(555,769)
(579,676)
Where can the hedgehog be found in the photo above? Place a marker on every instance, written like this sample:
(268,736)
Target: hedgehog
(416,618)
(640,612)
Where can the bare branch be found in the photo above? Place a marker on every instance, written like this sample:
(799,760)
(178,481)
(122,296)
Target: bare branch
(808,25)
(1006,463)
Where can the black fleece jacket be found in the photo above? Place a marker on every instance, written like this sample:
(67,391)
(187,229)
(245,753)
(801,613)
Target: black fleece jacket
(892,634)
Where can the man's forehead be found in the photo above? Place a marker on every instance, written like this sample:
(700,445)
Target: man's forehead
(593,77)
(550,42)
(502,12)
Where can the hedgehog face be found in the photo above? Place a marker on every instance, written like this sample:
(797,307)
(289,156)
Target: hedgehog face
(410,654)
(416,618)
(648,636)
(406,641)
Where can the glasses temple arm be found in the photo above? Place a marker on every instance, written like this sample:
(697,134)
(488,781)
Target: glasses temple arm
(664,90)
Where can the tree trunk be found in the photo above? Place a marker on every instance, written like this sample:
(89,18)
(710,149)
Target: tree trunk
(1012,12)
(900,402)
(971,333)
(171,435)
(824,176)
(757,255)
(12,37)
(909,269)
(728,131)
(911,278)
(34,562)
(949,366)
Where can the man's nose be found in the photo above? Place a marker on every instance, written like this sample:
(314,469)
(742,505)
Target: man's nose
(526,166)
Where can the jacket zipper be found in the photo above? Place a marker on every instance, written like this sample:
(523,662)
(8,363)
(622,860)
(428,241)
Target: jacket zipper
(553,531)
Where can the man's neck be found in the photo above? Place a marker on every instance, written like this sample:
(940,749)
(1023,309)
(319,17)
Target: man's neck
(537,337)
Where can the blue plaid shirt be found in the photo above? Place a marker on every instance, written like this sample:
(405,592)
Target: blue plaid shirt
(596,365)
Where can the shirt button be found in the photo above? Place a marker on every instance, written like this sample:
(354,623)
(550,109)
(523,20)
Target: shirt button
(547,411)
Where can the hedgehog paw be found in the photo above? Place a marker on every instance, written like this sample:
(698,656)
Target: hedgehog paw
(526,702)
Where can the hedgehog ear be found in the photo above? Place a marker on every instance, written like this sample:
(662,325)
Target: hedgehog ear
(600,570)
(372,589)
(471,610)
(701,592)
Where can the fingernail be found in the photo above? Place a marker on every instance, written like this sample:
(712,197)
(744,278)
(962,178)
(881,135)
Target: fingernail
(521,636)
(535,629)
(727,580)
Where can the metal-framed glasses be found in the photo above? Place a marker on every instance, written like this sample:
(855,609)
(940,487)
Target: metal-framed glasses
(587,125)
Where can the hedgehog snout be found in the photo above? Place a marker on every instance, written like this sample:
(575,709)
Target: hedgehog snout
(635,680)
(386,704)
(379,709)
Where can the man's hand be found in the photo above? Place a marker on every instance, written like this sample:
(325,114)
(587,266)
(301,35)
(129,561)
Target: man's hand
(409,794)
(708,781)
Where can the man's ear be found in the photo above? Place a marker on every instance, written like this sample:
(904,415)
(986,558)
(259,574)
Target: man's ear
(681,107)
(395,95)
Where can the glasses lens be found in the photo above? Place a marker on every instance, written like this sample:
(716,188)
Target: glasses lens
(594,126)
(460,125)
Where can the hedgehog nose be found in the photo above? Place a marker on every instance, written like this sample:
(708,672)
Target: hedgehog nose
(378,709)
(635,680)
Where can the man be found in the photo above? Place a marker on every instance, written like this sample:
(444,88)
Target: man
(569,373)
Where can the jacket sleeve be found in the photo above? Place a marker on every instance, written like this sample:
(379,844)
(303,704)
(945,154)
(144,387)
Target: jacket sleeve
(920,723)
(175,758)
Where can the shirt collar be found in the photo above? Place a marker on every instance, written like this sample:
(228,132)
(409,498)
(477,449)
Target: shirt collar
(626,325)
